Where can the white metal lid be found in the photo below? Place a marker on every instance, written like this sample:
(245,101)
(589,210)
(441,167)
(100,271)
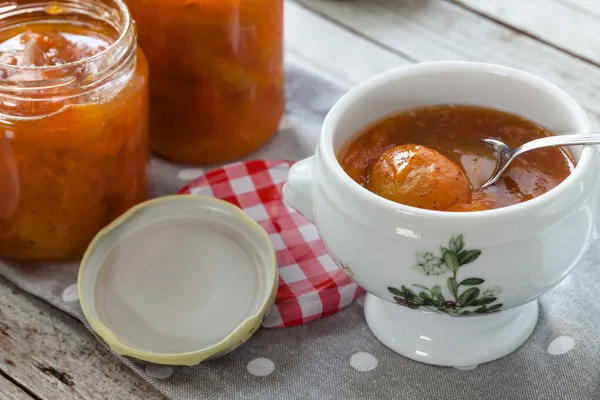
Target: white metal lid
(177,276)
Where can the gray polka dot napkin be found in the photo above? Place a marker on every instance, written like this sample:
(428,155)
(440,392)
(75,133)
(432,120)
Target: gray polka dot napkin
(338,357)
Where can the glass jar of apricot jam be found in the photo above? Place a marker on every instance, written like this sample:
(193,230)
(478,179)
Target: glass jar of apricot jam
(216,81)
(74,151)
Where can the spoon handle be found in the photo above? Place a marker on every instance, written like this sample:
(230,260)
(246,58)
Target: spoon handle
(558,140)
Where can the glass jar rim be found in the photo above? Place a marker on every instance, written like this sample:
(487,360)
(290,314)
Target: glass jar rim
(123,33)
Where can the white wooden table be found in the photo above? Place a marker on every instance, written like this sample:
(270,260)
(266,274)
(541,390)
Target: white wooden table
(47,355)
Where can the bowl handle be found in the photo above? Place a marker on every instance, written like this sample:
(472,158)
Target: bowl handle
(298,190)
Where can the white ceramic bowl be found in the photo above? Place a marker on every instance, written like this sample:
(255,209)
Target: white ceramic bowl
(178,280)
(500,259)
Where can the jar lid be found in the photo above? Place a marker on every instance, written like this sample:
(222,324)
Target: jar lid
(178,280)
(311,286)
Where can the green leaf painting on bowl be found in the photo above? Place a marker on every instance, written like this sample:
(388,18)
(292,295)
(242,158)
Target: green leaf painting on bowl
(464,296)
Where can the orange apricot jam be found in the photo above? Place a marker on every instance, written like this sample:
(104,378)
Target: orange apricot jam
(74,151)
(430,157)
(217,81)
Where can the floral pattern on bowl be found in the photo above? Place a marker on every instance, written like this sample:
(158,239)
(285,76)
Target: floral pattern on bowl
(465,296)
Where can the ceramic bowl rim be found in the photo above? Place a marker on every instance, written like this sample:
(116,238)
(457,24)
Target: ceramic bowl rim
(239,335)
(327,153)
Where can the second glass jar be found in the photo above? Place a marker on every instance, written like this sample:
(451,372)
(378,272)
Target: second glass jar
(216,75)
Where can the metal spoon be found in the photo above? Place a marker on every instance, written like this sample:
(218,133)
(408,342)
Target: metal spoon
(506,156)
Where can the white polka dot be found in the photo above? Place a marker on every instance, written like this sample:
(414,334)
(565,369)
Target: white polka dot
(467,368)
(561,345)
(286,123)
(261,367)
(70,294)
(158,372)
(361,300)
(363,362)
(190,173)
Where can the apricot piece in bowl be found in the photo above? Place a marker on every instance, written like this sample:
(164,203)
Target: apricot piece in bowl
(419,177)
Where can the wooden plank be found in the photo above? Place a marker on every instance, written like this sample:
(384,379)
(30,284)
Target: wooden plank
(55,357)
(9,391)
(440,30)
(328,49)
(572,29)
(588,6)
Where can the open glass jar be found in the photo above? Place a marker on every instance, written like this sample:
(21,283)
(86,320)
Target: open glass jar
(74,150)
(216,82)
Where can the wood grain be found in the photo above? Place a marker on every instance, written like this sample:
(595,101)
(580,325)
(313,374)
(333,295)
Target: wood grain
(571,29)
(442,30)
(10,391)
(55,357)
(589,6)
(331,50)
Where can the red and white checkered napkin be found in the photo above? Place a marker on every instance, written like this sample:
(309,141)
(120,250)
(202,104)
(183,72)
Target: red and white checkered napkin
(311,286)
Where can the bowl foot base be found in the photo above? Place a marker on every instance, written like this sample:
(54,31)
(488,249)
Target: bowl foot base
(449,341)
